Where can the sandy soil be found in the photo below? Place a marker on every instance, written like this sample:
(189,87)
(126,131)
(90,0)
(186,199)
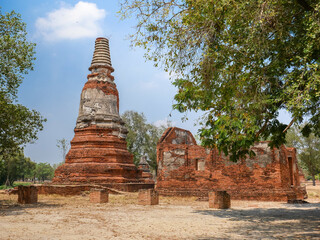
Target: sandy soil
(56,217)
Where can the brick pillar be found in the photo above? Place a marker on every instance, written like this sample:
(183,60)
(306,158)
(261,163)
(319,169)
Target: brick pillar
(99,196)
(27,194)
(219,200)
(148,197)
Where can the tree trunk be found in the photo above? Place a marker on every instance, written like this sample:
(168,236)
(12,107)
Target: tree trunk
(7,181)
(313,180)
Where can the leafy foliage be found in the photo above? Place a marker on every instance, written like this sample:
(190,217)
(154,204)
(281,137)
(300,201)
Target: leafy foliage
(18,167)
(16,55)
(238,61)
(44,171)
(142,137)
(308,150)
(15,167)
(18,124)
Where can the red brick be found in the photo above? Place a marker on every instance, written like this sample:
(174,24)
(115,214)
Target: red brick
(219,200)
(148,197)
(99,196)
(27,194)
(184,168)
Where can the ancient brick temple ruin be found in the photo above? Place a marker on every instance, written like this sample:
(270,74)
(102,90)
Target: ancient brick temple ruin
(184,168)
(98,153)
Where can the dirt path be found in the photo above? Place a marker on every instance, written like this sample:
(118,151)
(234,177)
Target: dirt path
(56,217)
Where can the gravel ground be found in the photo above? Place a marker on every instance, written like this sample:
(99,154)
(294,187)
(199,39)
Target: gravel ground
(56,217)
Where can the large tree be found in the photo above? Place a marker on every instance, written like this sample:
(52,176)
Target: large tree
(17,53)
(18,124)
(240,62)
(142,137)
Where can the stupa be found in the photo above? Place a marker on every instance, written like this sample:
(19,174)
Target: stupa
(98,153)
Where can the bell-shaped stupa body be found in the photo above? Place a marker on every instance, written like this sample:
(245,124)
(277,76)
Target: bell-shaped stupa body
(98,152)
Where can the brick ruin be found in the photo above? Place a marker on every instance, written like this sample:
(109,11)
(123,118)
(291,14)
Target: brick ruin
(98,153)
(186,169)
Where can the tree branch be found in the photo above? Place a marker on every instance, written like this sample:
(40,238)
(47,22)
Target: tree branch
(263,128)
(290,124)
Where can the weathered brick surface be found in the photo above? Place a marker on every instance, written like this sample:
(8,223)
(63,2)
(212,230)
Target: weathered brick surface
(99,196)
(219,200)
(98,153)
(27,194)
(148,197)
(97,157)
(64,190)
(184,168)
(71,190)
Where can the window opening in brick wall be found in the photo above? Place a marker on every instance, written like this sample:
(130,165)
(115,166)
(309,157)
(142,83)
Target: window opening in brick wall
(290,169)
(200,164)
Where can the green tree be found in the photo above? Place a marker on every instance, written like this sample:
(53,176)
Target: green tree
(308,149)
(142,137)
(44,171)
(16,167)
(17,53)
(137,131)
(240,62)
(64,145)
(18,124)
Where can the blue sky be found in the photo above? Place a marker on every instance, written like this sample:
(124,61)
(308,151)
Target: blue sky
(64,32)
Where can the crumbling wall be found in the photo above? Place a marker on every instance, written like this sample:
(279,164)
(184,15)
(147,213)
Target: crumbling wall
(184,168)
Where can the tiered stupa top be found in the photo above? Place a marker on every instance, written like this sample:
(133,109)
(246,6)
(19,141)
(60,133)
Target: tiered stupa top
(101,55)
(99,104)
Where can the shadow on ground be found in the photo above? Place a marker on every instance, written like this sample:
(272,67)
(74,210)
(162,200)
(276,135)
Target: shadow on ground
(300,221)
(8,208)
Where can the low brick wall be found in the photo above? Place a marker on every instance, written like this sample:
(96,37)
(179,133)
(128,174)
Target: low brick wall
(67,190)
(71,190)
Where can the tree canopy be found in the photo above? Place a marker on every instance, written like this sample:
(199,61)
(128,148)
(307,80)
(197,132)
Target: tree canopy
(18,124)
(142,137)
(240,62)
(17,53)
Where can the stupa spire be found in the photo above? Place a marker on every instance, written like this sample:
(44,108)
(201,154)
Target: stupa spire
(101,55)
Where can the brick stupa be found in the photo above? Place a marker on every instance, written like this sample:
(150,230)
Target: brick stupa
(98,153)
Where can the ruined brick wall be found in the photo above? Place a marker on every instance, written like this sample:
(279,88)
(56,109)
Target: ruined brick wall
(184,168)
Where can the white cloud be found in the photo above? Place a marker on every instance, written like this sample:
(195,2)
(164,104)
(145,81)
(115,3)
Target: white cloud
(78,21)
